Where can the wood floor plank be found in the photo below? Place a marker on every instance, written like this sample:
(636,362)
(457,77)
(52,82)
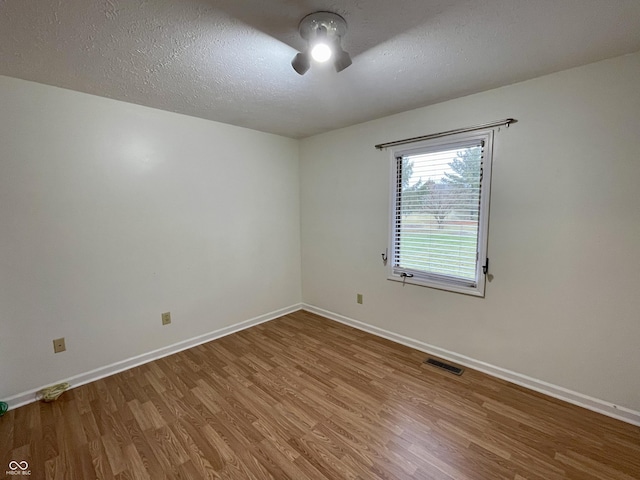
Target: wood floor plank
(113,451)
(303,397)
(143,449)
(202,462)
(99,460)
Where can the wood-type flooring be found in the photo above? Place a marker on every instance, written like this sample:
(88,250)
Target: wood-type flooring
(303,397)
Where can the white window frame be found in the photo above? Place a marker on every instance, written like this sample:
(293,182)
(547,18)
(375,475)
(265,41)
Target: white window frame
(430,279)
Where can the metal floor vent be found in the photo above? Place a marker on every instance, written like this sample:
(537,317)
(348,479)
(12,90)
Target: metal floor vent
(444,366)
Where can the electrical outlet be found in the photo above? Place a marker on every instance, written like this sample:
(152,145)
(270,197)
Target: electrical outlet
(58,345)
(166,318)
(359,298)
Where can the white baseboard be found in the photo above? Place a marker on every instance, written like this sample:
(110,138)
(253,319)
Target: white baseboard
(102,372)
(561,393)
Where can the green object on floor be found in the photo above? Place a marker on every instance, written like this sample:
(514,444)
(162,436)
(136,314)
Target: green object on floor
(3,408)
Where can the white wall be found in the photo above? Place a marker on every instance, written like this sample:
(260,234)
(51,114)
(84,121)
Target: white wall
(111,213)
(564,240)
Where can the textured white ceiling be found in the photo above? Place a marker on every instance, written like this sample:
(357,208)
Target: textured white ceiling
(229,60)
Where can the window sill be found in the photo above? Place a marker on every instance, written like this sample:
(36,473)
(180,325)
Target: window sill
(477,291)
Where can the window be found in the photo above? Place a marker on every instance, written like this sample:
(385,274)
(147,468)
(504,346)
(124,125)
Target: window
(440,212)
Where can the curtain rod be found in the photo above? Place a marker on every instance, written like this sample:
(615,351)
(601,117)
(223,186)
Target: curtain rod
(506,122)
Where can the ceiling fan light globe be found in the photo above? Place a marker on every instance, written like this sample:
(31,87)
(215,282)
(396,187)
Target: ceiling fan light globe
(321,52)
